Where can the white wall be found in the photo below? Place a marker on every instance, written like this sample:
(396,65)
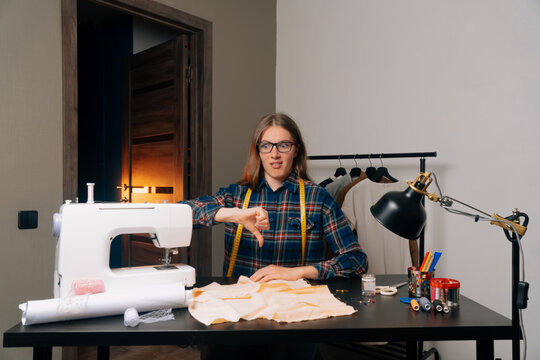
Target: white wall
(460,77)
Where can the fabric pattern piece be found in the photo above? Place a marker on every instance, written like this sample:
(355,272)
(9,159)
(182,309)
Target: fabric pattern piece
(278,300)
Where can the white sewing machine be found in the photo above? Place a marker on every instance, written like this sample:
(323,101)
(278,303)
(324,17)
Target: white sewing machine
(85,232)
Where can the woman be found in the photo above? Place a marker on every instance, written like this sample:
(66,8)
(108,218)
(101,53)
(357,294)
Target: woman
(273,247)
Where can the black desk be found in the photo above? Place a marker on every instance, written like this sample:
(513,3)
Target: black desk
(385,320)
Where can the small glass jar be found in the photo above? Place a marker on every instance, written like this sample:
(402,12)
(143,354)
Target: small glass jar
(368,285)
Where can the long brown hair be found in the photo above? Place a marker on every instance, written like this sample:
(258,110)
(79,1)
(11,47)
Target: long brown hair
(253,170)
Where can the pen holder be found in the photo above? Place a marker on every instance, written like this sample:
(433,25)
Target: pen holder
(419,282)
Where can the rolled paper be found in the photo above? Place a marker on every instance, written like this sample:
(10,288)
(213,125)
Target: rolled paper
(108,303)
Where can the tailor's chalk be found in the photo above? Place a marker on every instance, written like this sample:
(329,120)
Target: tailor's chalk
(422,266)
(436,257)
(438,305)
(425,304)
(428,263)
(414,305)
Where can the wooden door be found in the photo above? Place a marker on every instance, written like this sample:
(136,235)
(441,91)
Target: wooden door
(155,140)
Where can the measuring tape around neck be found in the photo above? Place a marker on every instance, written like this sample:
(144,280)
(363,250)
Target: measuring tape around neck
(240,228)
(303,217)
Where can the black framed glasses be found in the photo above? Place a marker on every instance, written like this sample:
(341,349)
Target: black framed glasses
(283,146)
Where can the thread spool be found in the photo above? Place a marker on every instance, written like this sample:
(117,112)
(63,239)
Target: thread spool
(425,304)
(131,317)
(446,310)
(90,199)
(446,290)
(438,305)
(414,305)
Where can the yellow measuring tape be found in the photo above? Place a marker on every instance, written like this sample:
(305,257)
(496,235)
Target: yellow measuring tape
(303,217)
(241,227)
(238,236)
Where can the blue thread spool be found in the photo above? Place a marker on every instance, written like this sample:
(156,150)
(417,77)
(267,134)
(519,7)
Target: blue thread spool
(425,304)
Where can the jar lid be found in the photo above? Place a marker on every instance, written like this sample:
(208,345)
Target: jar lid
(444,283)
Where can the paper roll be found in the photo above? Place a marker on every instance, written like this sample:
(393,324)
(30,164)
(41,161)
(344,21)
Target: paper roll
(109,303)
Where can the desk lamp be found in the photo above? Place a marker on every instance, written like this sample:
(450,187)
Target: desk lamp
(403,213)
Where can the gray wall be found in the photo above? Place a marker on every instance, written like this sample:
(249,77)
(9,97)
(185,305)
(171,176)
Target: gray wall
(30,151)
(31,126)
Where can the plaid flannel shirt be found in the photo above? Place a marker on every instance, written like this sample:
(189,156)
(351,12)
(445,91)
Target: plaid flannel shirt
(283,241)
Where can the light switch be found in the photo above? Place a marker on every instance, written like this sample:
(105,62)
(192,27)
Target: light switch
(28,219)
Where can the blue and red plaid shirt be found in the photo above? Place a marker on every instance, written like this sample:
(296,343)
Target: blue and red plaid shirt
(283,241)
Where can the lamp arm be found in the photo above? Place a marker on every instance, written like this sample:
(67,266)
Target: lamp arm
(508,224)
(447,201)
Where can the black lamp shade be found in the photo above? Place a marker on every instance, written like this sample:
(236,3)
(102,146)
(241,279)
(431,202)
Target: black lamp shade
(401,212)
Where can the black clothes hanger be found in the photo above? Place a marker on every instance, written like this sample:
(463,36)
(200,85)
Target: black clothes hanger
(355,171)
(326,182)
(371,170)
(381,172)
(340,171)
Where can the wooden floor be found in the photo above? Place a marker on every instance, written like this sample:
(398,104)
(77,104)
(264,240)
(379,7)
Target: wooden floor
(142,353)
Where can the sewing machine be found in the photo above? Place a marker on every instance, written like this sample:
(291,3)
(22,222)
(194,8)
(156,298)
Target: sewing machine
(85,232)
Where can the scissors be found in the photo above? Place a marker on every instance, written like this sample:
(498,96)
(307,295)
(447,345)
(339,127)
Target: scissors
(389,289)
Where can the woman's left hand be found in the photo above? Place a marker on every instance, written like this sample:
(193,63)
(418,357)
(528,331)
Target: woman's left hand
(274,272)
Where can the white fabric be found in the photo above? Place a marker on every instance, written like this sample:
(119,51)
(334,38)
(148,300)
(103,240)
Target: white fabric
(108,303)
(278,300)
(387,253)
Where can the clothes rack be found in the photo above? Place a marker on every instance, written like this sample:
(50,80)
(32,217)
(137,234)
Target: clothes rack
(375,156)
(422,155)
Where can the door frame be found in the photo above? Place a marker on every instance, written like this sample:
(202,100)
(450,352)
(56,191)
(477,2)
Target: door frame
(200,179)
